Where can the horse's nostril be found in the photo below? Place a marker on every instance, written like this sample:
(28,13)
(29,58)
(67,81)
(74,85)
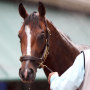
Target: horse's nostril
(31,71)
(29,74)
(21,73)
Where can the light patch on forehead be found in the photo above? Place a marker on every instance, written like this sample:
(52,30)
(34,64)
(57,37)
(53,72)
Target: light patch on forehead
(27,31)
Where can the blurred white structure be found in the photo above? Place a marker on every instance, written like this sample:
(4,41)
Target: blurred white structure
(77,5)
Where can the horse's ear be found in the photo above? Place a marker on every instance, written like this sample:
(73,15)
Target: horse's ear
(41,9)
(23,13)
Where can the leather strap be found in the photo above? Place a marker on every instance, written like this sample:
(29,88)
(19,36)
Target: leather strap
(30,58)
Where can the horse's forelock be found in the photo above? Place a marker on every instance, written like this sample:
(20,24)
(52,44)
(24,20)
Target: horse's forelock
(32,19)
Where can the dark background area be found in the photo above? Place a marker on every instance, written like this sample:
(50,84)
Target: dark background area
(18,85)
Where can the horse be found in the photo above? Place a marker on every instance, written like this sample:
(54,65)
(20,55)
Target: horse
(43,46)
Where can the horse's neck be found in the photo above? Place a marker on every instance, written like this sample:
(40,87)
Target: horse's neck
(62,51)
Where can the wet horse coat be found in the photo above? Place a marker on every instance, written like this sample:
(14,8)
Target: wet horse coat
(62,51)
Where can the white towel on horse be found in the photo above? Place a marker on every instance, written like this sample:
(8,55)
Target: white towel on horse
(72,78)
(86,83)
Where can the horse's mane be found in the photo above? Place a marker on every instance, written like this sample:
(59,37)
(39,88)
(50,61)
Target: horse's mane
(65,37)
(68,37)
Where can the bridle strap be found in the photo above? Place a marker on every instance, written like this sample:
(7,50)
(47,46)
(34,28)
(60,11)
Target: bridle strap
(36,60)
(25,58)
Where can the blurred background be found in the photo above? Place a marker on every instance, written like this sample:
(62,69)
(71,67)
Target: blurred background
(70,16)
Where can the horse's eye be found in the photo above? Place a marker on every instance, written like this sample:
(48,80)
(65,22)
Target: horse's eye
(41,36)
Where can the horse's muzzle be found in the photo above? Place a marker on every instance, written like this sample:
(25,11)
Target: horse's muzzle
(27,75)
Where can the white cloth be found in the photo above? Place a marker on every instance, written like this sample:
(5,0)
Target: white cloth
(86,83)
(72,78)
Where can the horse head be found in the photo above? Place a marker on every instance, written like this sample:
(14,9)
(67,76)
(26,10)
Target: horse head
(34,42)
